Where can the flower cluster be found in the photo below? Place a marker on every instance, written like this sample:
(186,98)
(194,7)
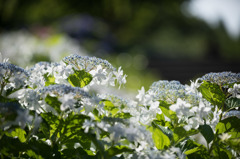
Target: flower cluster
(223,78)
(102,71)
(170,91)
(11,77)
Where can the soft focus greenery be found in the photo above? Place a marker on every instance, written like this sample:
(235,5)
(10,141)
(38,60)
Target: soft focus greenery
(154,27)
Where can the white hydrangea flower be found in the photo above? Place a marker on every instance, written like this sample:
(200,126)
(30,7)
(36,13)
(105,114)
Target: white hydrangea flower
(193,87)
(235,91)
(29,99)
(99,75)
(67,101)
(121,79)
(61,72)
(214,118)
(181,108)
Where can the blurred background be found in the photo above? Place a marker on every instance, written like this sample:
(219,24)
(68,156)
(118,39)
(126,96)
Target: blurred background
(152,40)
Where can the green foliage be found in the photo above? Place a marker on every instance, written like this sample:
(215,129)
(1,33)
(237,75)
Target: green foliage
(53,102)
(180,134)
(164,106)
(213,93)
(123,115)
(18,133)
(165,130)
(50,80)
(6,100)
(161,140)
(118,150)
(108,105)
(80,78)
(229,125)
(195,150)
(75,153)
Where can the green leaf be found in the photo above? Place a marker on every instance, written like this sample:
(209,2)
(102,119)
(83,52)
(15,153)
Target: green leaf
(50,80)
(75,153)
(80,78)
(194,150)
(232,103)
(6,100)
(234,144)
(19,133)
(97,115)
(108,105)
(221,153)
(207,132)
(213,93)
(53,102)
(160,117)
(180,133)
(43,149)
(123,115)
(51,123)
(188,152)
(11,146)
(160,120)
(118,150)
(160,139)
(229,125)
(73,132)
(165,130)
(32,154)
(164,106)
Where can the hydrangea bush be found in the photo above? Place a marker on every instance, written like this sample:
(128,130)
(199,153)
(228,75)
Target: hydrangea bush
(53,110)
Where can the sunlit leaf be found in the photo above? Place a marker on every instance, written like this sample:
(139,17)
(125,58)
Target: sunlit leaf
(160,139)
(49,79)
(229,125)
(53,102)
(164,106)
(19,133)
(213,93)
(79,78)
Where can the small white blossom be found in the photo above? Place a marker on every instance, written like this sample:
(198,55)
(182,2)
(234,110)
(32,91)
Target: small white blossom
(224,136)
(193,87)
(181,108)
(87,125)
(67,101)
(77,145)
(141,94)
